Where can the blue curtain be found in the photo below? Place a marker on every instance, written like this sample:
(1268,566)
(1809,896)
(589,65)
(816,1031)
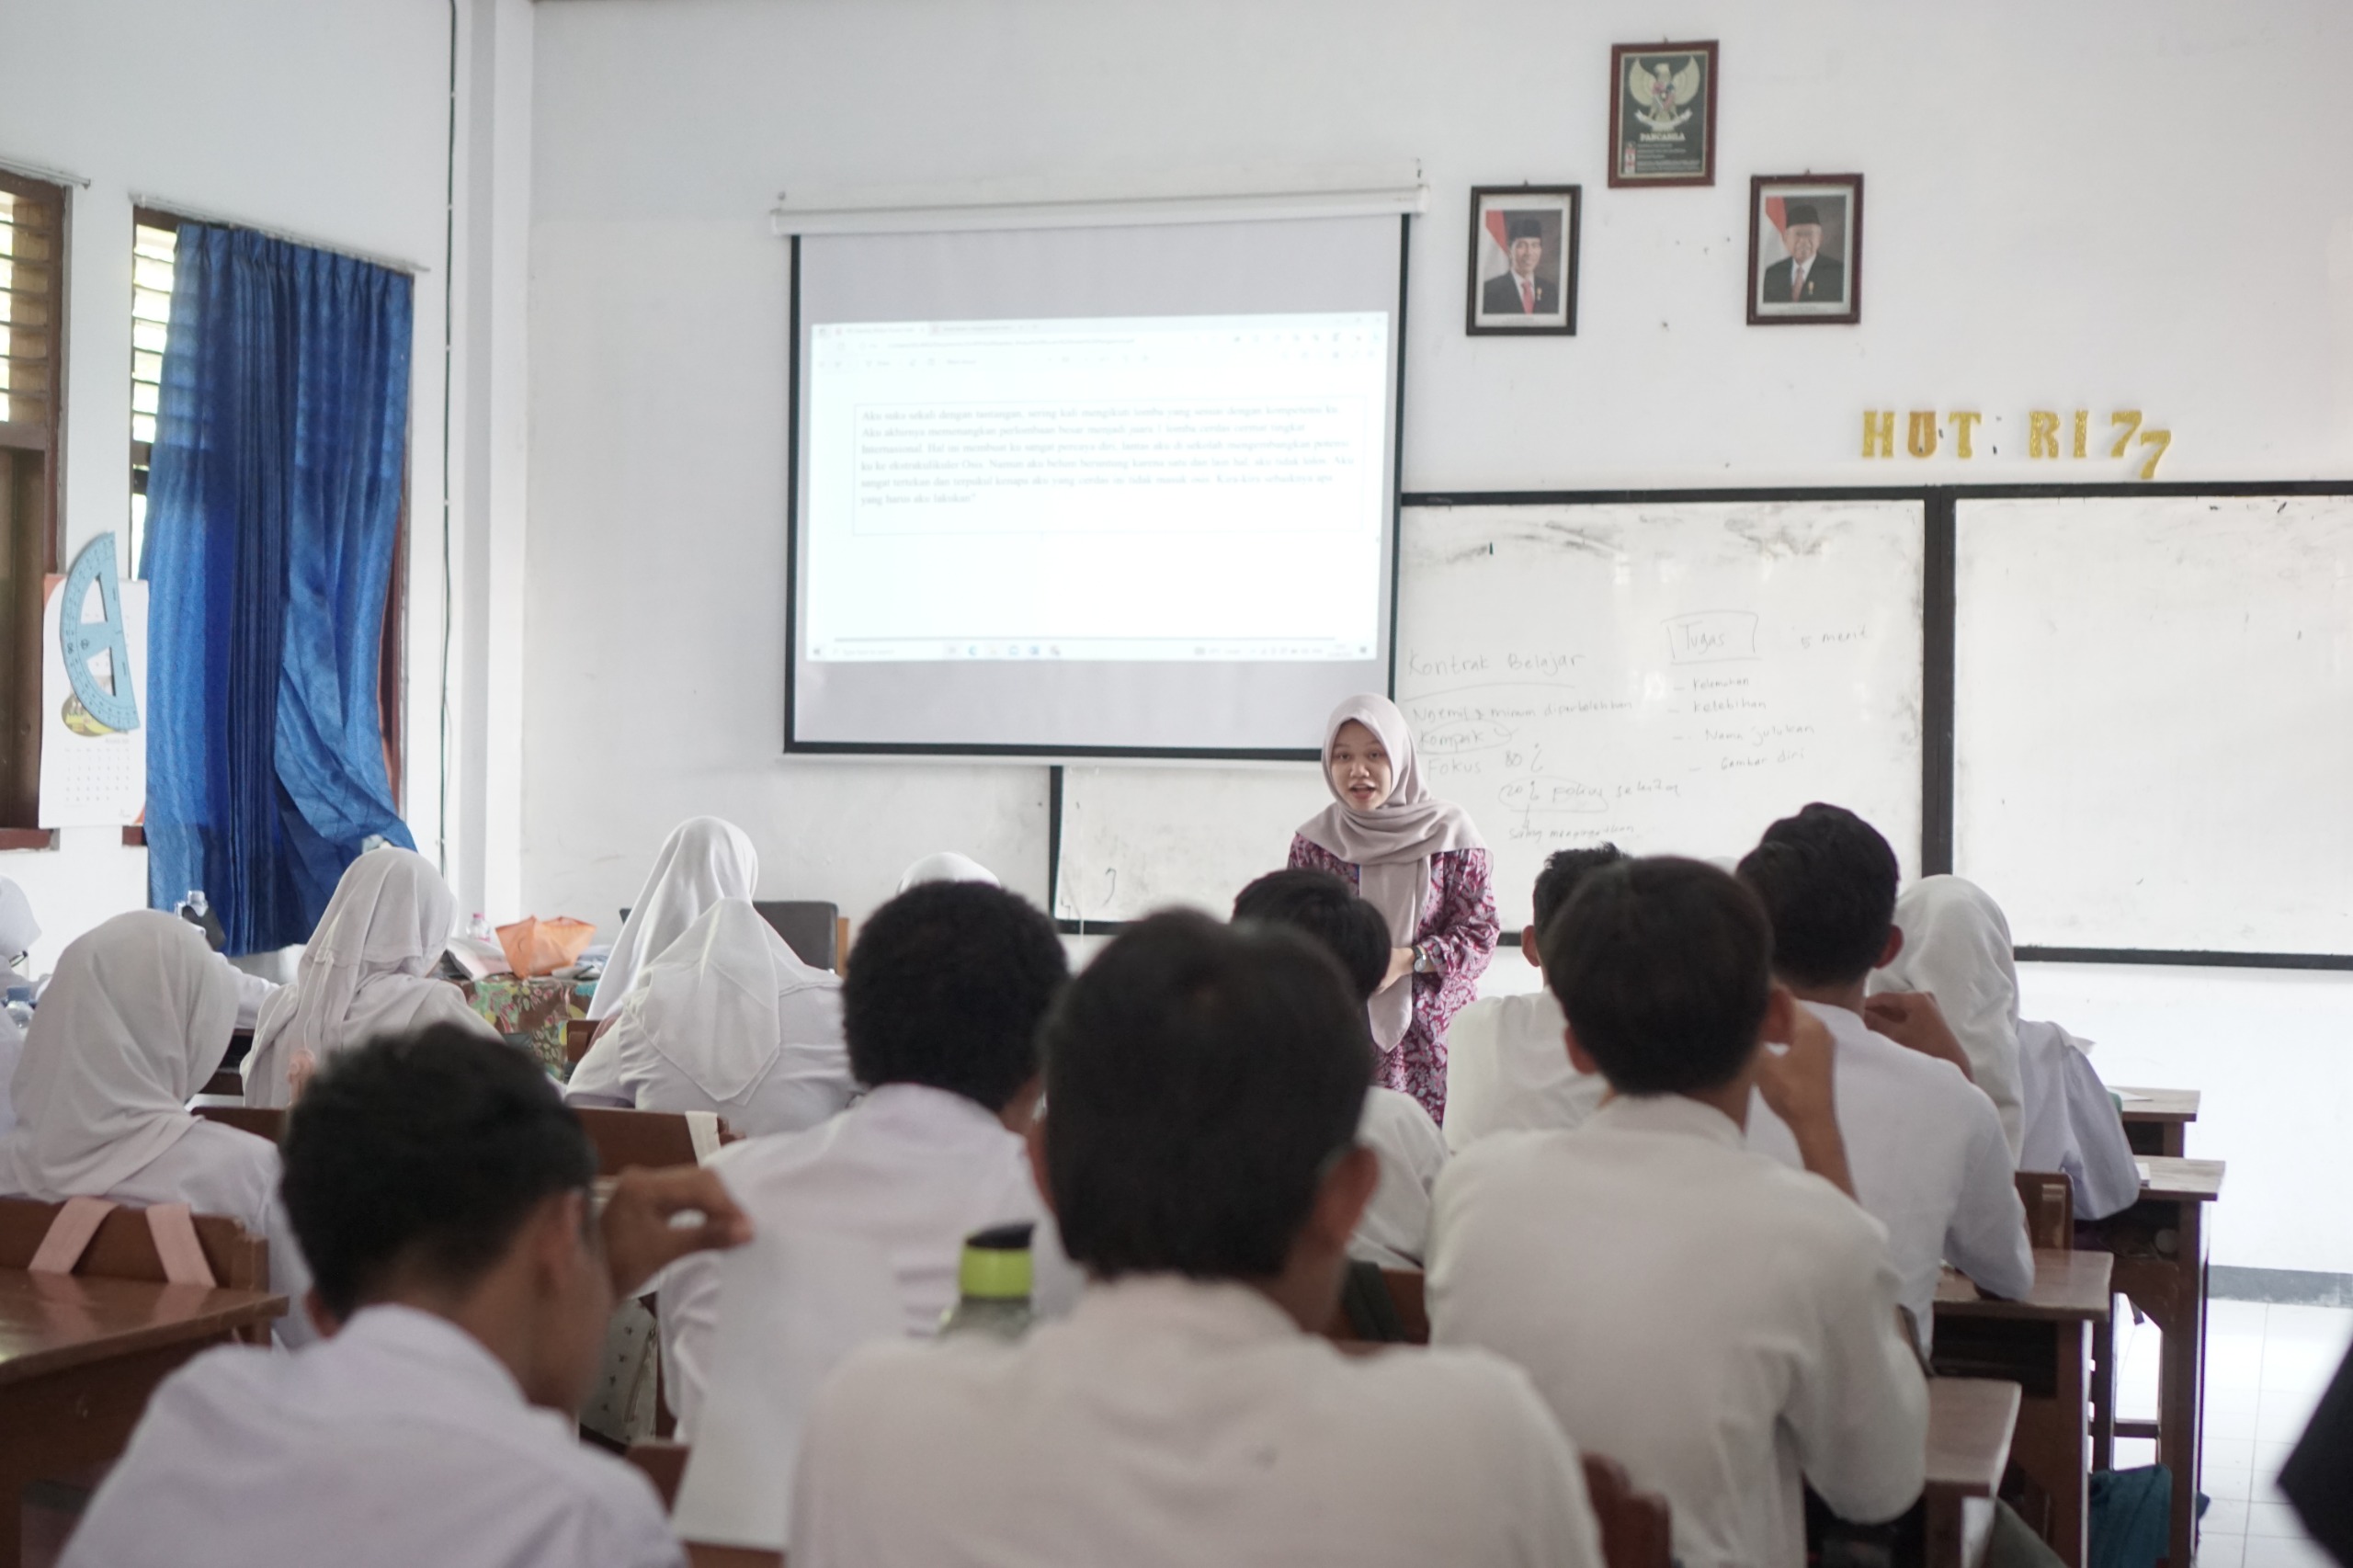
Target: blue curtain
(273,500)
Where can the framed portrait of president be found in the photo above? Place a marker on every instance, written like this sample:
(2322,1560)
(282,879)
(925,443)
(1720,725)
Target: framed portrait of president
(1523,260)
(1805,250)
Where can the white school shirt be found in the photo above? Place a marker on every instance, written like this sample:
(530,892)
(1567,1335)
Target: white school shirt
(1714,1323)
(222,1170)
(1508,1069)
(911,1168)
(1925,1149)
(1173,1422)
(2071,1123)
(1393,1231)
(400,1442)
(809,1080)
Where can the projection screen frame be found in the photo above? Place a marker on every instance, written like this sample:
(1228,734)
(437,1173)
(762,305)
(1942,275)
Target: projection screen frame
(1026,753)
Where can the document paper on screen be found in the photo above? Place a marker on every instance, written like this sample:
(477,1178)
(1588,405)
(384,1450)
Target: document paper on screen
(1143,488)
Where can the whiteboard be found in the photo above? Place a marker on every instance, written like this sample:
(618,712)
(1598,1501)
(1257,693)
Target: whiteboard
(1666,677)
(1136,839)
(1669,676)
(2154,719)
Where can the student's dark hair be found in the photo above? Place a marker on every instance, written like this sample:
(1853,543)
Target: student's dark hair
(427,1152)
(1664,967)
(946,987)
(1564,870)
(1200,1078)
(1827,879)
(1328,910)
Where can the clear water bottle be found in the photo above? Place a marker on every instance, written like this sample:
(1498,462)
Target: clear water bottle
(993,1284)
(479,927)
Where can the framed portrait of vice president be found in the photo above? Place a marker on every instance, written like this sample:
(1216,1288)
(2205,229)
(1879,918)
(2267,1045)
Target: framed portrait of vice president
(1523,260)
(1805,250)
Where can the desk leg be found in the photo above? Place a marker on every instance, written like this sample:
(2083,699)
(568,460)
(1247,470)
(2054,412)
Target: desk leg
(2104,1389)
(1944,1535)
(2181,1383)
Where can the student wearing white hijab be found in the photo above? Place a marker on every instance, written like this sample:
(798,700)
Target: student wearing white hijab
(1419,861)
(2071,1125)
(726,1020)
(947,867)
(703,861)
(365,972)
(19,932)
(1957,949)
(135,1020)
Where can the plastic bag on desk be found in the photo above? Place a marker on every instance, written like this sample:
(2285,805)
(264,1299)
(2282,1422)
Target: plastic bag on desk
(533,945)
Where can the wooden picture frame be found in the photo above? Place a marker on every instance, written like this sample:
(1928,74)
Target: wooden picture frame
(1824,286)
(1544,303)
(1657,92)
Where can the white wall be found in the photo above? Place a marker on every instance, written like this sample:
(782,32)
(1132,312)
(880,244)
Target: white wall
(2106,205)
(326,119)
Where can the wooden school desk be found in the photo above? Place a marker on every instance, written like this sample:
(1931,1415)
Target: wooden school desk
(1970,1421)
(2159,1245)
(702,1555)
(78,1358)
(2042,1342)
(2157,1121)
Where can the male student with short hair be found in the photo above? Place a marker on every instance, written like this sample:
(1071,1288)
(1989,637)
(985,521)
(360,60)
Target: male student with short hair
(441,1191)
(1926,1145)
(1203,1085)
(1505,1068)
(939,1010)
(1715,1324)
(1394,1231)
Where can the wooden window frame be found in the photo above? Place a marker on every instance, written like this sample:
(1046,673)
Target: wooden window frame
(391,649)
(20,753)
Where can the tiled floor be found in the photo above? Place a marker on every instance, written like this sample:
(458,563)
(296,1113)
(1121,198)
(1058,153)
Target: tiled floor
(2266,1368)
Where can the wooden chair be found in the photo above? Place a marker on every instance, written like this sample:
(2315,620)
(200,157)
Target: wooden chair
(626,1138)
(262,1121)
(124,1248)
(1635,1526)
(2050,1200)
(663,1464)
(579,1034)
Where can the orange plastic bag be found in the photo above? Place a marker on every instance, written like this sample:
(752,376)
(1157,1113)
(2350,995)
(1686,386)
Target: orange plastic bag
(533,945)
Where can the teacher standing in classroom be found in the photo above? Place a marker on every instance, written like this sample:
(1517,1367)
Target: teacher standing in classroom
(1418,861)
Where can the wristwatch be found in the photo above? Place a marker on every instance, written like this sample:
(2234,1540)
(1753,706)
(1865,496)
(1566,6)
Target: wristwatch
(1422,963)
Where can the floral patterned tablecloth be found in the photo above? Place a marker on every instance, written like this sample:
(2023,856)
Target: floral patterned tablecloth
(532,1013)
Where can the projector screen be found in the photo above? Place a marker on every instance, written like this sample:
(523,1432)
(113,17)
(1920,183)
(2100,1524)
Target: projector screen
(1092,492)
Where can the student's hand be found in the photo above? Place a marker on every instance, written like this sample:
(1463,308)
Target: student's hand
(1400,965)
(1913,1019)
(641,1241)
(299,1069)
(1800,1082)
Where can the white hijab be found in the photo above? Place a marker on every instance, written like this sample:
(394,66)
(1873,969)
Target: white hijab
(703,861)
(365,971)
(712,1005)
(1390,845)
(135,1021)
(1957,949)
(947,867)
(18,929)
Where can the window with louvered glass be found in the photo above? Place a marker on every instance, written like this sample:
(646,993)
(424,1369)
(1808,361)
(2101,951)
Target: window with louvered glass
(32,262)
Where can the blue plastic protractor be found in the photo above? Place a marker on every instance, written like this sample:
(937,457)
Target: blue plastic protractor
(110,702)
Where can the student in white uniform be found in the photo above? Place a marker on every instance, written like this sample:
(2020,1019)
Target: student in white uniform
(366,971)
(1394,1230)
(443,1192)
(703,861)
(1203,1089)
(2071,1123)
(941,1008)
(1957,949)
(1929,1159)
(1719,1326)
(727,1020)
(135,1020)
(947,867)
(1506,1068)
(19,932)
